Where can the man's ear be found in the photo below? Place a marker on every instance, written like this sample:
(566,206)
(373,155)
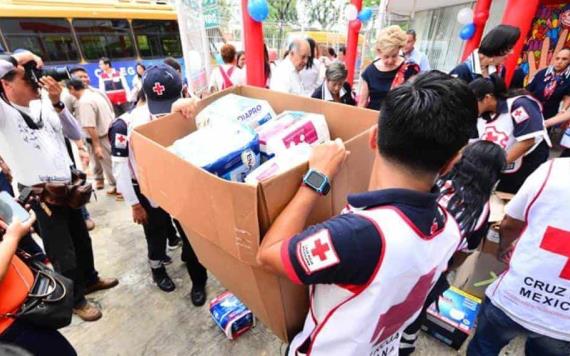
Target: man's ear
(373,138)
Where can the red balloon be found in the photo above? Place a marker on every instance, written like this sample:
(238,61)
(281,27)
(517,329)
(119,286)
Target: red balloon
(355,25)
(480,18)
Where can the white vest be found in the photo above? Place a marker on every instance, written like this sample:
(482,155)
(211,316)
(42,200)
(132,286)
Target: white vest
(535,289)
(370,320)
(501,132)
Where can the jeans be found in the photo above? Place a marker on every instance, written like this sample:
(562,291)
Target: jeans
(36,340)
(495,330)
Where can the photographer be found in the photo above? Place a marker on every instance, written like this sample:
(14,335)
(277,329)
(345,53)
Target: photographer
(32,142)
(16,278)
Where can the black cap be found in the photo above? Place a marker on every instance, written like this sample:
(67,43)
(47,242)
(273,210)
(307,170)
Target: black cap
(162,86)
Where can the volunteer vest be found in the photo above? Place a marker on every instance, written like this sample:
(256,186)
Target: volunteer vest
(370,319)
(114,87)
(226,77)
(535,289)
(501,131)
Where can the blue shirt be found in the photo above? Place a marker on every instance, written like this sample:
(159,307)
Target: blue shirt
(550,101)
(355,240)
(380,83)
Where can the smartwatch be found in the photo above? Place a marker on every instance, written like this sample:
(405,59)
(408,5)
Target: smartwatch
(317,181)
(59,105)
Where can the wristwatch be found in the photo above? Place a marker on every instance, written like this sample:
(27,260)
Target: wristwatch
(317,181)
(59,105)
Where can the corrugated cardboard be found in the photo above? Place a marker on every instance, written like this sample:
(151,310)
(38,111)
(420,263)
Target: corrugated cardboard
(225,221)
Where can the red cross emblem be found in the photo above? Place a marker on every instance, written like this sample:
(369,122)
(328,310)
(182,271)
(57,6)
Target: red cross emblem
(158,88)
(320,250)
(121,138)
(493,135)
(558,241)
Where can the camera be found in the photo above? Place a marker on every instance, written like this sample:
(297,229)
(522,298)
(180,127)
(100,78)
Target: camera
(33,73)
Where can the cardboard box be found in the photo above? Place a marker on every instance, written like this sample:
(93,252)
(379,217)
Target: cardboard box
(225,221)
(478,271)
(455,319)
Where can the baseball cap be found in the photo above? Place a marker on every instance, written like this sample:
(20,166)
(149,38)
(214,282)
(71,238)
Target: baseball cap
(162,86)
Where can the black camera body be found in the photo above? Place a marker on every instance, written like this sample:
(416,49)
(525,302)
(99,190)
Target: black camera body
(33,73)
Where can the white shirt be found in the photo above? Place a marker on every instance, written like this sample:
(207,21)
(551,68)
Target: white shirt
(327,96)
(285,78)
(420,59)
(312,78)
(217,80)
(37,156)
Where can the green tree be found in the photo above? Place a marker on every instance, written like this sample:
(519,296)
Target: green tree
(325,12)
(282,12)
(371,3)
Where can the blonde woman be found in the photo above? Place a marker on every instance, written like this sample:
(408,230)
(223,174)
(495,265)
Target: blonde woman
(388,71)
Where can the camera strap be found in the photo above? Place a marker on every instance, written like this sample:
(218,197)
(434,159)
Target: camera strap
(29,121)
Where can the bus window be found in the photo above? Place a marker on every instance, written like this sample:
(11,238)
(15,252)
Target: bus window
(157,39)
(51,39)
(104,38)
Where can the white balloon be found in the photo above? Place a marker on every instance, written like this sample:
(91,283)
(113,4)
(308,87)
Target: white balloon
(195,60)
(351,12)
(465,16)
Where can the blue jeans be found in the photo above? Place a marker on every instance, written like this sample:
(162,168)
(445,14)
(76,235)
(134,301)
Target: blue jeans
(495,330)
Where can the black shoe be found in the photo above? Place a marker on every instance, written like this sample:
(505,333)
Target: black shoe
(162,280)
(198,295)
(166,260)
(174,243)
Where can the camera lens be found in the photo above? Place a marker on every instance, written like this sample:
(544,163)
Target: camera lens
(57,73)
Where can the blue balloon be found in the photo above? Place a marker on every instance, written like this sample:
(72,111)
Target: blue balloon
(365,15)
(258,9)
(467,32)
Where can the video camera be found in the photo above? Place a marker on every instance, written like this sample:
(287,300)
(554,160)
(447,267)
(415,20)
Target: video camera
(33,73)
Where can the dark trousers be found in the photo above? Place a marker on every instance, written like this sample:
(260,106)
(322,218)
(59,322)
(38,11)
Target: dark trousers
(68,246)
(196,270)
(36,340)
(156,229)
(495,330)
(511,183)
(565,153)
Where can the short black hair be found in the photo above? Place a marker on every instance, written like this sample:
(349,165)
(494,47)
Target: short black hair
(77,69)
(342,49)
(499,41)
(171,61)
(411,32)
(106,60)
(426,121)
(493,85)
(75,84)
(332,52)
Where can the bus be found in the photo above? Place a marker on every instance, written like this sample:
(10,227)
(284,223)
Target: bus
(72,32)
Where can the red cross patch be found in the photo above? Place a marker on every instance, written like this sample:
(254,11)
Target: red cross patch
(520,115)
(557,241)
(120,141)
(158,88)
(316,252)
(493,135)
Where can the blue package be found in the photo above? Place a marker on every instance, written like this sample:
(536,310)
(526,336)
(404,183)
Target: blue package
(231,315)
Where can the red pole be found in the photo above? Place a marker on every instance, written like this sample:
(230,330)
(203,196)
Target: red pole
(518,13)
(352,43)
(480,17)
(253,40)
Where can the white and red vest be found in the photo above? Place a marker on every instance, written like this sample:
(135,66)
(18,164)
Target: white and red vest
(370,319)
(501,131)
(535,290)
(114,87)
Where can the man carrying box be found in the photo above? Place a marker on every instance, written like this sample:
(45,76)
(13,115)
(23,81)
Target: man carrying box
(371,268)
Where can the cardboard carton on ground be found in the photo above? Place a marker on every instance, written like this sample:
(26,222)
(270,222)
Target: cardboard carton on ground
(455,319)
(477,272)
(225,221)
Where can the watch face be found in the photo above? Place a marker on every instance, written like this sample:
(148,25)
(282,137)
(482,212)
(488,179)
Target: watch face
(315,180)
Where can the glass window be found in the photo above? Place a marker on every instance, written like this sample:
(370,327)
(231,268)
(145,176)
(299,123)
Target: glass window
(104,38)
(51,39)
(157,39)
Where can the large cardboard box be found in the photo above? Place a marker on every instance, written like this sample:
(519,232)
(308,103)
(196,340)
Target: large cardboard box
(226,221)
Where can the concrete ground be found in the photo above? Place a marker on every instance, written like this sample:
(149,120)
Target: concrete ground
(139,319)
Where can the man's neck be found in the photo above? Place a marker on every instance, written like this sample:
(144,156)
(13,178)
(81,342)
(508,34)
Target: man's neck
(399,177)
(80,94)
(109,70)
(19,101)
(409,52)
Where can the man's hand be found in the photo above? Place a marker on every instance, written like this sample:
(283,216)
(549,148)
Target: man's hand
(98,150)
(139,214)
(328,157)
(84,157)
(27,56)
(17,229)
(53,88)
(187,107)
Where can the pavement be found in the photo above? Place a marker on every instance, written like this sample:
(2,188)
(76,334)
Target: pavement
(139,319)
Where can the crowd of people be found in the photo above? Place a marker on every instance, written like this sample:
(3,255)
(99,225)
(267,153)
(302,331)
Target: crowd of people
(443,144)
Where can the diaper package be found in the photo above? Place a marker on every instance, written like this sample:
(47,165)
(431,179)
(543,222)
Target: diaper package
(231,315)
(292,128)
(232,107)
(280,163)
(230,151)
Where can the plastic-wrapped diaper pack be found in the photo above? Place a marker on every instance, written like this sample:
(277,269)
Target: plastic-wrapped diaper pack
(292,128)
(231,315)
(230,151)
(280,163)
(232,107)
